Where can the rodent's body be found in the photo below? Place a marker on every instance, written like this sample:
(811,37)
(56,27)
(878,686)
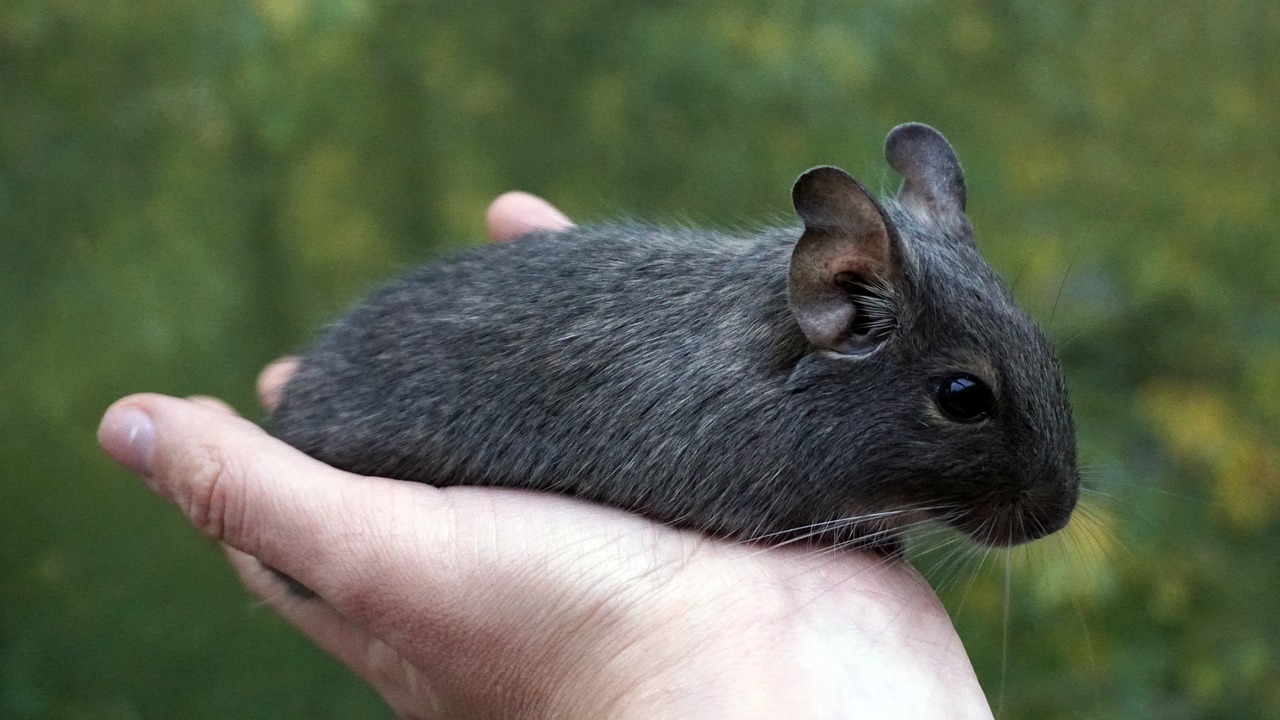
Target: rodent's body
(647,374)
(745,386)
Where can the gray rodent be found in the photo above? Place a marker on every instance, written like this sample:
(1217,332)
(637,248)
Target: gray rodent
(866,372)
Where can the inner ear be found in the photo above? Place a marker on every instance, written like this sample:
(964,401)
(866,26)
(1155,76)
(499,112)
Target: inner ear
(839,285)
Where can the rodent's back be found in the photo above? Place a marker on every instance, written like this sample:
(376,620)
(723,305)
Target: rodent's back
(638,367)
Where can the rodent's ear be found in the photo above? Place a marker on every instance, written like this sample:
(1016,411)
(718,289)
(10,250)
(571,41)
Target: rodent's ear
(844,256)
(932,181)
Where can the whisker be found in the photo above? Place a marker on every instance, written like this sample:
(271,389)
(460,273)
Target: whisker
(1054,312)
(1062,346)
(1004,635)
(952,563)
(860,540)
(808,532)
(986,553)
(824,524)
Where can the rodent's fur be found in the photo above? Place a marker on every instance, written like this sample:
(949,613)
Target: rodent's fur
(744,386)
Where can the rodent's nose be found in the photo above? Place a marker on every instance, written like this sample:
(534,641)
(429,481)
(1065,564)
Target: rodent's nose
(1005,522)
(1043,513)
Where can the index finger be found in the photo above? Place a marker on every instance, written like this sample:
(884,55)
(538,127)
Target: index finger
(272,379)
(517,213)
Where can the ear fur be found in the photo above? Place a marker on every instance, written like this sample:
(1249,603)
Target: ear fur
(932,181)
(846,248)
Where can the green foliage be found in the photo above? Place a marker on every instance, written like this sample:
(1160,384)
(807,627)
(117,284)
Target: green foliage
(187,189)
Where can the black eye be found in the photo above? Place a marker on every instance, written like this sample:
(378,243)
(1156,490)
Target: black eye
(965,398)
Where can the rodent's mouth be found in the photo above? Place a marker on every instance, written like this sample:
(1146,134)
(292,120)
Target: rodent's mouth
(1012,521)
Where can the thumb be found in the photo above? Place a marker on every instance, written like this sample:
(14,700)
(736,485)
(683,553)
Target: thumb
(239,485)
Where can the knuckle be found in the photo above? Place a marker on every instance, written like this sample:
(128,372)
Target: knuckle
(210,501)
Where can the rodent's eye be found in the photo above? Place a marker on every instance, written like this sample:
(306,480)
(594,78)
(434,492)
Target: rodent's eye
(965,398)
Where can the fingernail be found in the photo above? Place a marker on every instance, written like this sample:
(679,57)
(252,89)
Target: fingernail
(129,437)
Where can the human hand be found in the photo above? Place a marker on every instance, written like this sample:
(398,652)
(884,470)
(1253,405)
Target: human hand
(481,602)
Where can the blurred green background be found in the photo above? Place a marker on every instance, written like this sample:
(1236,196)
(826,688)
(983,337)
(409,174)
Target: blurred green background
(189,189)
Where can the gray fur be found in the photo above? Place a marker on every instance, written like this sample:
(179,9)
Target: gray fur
(664,372)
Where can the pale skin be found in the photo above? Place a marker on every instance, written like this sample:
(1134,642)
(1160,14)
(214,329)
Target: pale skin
(494,603)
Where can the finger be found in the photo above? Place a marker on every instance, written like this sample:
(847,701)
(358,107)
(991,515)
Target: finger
(272,379)
(213,403)
(376,662)
(516,213)
(314,617)
(373,548)
(248,490)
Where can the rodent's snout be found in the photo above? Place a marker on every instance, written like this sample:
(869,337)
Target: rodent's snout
(1027,516)
(1037,526)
